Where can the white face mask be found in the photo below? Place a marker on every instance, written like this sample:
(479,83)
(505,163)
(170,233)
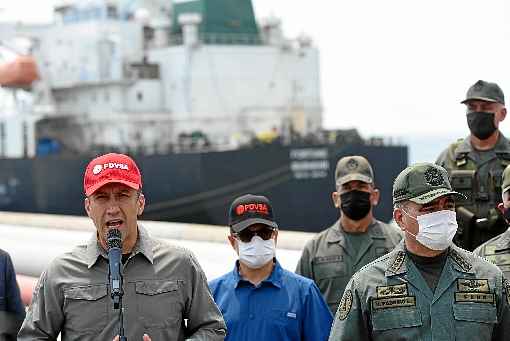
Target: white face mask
(257,252)
(436,229)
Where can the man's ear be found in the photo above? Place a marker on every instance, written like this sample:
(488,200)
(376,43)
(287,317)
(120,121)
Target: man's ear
(336,199)
(233,243)
(86,204)
(501,208)
(375,196)
(398,216)
(141,204)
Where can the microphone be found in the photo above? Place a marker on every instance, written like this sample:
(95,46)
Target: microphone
(114,243)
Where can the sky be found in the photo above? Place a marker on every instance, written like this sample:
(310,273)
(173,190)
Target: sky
(395,68)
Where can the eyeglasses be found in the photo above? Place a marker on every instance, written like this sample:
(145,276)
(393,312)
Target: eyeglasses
(246,235)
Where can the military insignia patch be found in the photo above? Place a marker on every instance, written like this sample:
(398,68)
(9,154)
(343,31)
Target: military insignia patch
(433,177)
(352,164)
(345,305)
(468,285)
(397,263)
(392,290)
(393,302)
(506,285)
(459,260)
(477,297)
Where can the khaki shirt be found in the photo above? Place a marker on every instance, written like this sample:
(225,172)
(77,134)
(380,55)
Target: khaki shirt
(497,251)
(389,300)
(328,260)
(163,286)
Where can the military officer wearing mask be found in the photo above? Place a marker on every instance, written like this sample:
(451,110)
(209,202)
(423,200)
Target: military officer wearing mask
(356,239)
(475,165)
(497,250)
(426,288)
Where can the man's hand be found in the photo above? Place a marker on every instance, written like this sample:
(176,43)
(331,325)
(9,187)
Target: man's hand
(145,338)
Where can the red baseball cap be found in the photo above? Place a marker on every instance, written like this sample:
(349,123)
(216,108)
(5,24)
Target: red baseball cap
(109,168)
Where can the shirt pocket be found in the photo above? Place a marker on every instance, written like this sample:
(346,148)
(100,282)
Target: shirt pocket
(396,324)
(328,267)
(159,303)
(474,321)
(284,323)
(86,308)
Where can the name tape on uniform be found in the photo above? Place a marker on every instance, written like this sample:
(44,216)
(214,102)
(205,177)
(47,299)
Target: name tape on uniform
(393,302)
(477,297)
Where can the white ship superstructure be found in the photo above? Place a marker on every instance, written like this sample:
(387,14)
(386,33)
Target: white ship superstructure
(150,75)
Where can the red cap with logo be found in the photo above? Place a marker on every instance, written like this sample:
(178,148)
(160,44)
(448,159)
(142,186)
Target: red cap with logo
(110,168)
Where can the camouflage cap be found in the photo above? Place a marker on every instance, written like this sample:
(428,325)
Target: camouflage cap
(506,180)
(351,168)
(422,183)
(485,91)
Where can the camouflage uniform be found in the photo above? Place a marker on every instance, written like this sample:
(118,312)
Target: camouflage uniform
(477,175)
(497,250)
(389,298)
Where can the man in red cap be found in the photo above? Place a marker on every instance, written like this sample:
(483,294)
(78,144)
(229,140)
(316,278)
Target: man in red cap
(165,291)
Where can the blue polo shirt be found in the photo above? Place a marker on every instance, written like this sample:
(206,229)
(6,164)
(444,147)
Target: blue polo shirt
(283,307)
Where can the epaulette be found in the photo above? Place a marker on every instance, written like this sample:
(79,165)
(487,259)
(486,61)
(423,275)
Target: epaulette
(460,260)
(397,263)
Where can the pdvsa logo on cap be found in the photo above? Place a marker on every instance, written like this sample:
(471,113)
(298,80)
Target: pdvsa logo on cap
(110,165)
(260,208)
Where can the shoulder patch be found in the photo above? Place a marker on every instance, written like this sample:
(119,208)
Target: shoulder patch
(345,305)
(397,263)
(460,260)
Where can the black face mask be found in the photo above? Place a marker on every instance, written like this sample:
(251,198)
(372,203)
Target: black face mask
(481,124)
(355,204)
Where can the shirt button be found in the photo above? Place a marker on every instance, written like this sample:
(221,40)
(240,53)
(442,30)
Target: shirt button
(251,316)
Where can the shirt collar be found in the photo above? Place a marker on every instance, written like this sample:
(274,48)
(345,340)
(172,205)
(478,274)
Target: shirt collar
(143,245)
(336,234)
(396,264)
(275,278)
(500,147)
(504,241)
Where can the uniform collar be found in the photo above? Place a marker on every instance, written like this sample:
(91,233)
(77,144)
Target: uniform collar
(275,278)
(503,241)
(337,235)
(143,245)
(396,263)
(501,147)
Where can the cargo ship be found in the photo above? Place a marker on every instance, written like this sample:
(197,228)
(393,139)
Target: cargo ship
(211,102)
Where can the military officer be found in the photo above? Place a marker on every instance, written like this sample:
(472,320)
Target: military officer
(356,239)
(426,288)
(497,250)
(475,165)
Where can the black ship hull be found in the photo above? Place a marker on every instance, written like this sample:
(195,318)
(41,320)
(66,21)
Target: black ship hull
(198,187)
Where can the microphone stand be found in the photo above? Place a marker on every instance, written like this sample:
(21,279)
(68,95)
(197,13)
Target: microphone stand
(116,293)
(114,242)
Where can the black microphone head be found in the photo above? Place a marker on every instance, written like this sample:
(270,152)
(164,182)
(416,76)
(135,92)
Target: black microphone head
(114,239)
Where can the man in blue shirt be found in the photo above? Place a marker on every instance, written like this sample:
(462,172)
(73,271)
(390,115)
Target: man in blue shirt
(12,310)
(259,299)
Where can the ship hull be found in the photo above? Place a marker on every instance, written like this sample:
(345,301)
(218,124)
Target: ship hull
(199,187)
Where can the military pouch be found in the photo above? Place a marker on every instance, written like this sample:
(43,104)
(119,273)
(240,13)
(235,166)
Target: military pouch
(463,181)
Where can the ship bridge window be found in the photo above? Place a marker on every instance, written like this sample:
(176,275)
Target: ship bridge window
(146,70)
